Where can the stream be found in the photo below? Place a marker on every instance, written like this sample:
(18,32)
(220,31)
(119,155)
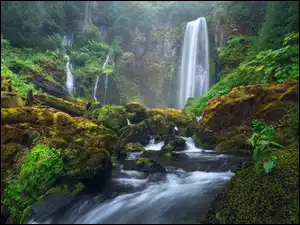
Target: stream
(179,196)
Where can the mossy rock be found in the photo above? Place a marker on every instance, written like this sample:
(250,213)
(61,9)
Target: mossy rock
(11,100)
(234,145)
(134,147)
(144,165)
(136,133)
(113,117)
(224,115)
(261,198)
(136,110)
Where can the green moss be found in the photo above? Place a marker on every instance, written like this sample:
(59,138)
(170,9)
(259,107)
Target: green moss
(113,117)
(261,198)
(234,144)
(141,161)
(134,147)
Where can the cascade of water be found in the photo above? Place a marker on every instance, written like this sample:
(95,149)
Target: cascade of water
(106,81)
(70,79)
(194,68)
(128,122)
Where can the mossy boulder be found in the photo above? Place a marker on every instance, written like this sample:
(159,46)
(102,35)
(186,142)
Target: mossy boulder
(134,147)
(136,111)
(259,198)
(231,115)
(113,117)
(11,100)
(144,165)
(185,123)
(136,133)
(175,144)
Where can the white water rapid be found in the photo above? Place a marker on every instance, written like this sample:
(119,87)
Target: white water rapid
(106,81)
(194,67)
(181,195)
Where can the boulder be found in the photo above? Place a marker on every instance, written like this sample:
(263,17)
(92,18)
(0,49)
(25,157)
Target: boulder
(134,147)
(11,100)
(136,111)
(144,165)
(230,116)
(135,133)
(113,117)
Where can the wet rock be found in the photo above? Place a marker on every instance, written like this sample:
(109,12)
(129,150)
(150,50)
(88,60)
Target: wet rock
(144,165)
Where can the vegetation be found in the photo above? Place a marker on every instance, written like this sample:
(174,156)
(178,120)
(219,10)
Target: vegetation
(265,147)
(42,165)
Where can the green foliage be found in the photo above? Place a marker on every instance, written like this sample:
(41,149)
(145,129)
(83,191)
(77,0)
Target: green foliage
(116,45)
(113,117)
(81,59)
(38,173)
(282,18)
(18,84)
(264,146)
(269,65)
(122,27)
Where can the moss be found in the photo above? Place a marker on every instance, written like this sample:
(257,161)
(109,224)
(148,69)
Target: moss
(134,147)
(234,144)
(78,188)
(11,100)
(223,115)
(113,117)
(141,161)
(261,198)
(136,110)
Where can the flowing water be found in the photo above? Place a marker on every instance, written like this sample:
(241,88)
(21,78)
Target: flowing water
(106,81)
(179,196)
(70,79)
(194,67)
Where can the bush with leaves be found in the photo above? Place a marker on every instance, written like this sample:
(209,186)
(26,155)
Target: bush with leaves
(39,171)
(264,146)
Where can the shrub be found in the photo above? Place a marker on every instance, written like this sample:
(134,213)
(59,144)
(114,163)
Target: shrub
(38,173)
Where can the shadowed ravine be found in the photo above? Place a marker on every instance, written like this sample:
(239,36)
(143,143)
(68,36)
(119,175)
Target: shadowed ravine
(136,197)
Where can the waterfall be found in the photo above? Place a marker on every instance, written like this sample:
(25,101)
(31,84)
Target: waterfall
(106,81)
(70,79)
(194,67)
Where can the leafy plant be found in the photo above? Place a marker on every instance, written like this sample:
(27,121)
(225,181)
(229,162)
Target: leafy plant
(264,146)
(38,173)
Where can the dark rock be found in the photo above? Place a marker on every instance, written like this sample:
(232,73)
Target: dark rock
(136,133)
(49,86)
(178,143)
(49,205)
(144,165)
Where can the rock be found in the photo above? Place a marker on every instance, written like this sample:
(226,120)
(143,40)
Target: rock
(5,84)
(134,147)
(178,144)
(144,165)
(113,117)
(49,205)
(135,133)
(137,111)
(11,100)
(49,87)
(60,104)
(163,121)
(230,116)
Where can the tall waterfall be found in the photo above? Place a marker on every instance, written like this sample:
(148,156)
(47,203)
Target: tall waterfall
(106,81)
(194,67)
(70,79)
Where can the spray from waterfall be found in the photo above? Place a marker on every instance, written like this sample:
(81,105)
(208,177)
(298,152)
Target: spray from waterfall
(70,79)
(106,81)
(194,67)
